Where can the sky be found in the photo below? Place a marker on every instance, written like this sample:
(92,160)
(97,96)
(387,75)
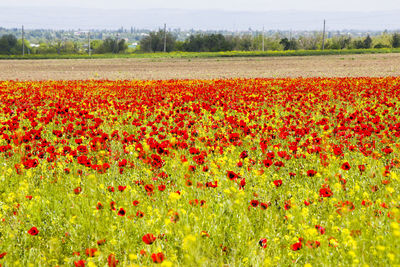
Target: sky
(231,5)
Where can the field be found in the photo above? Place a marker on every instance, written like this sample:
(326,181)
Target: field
(238,172)
(375,65)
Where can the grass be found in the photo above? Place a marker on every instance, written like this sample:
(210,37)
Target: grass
(209,54)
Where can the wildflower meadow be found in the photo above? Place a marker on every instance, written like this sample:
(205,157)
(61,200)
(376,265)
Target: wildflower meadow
(230,172)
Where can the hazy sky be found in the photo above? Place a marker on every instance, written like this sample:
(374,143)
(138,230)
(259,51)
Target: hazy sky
(237,5)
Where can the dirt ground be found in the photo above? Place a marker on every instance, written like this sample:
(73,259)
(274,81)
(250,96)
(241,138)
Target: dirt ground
(159,69)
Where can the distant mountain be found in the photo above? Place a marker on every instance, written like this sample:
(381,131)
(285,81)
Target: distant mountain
(84,18)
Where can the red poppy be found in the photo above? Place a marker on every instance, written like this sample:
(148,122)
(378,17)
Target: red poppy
(313,244)
(122,163)
(33,231)
(121,188)
(101,242)
(263,242)
(135,203)
(320,229)
(99,206)
(80,263)
(78,190)
(361,168)
(121,212)
(157,257)
(149,239)
(296,246)
(325,192)
(110,188)
(244,155)
(267,162)
(149,188)
(242,183)
(232,176)
(278,183)
(161,187)
(346,166)
(112,260)
(254,203)
(91,252)
(3,254)
(311,173)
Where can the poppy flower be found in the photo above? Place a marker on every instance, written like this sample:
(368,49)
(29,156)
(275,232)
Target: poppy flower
(149,188)
(121,212)
(296,246)
(244,154)
(311,173)
(161,187)
(263,242)
(149,239)
(346,166)
(254,203)
(320,229)
(121,188)
(325,192)
(313,244)
(91,252)
(122,163)
(242,183)
(157,257)
(267,162)
(3,254)
(78,190)
(204,234)
(99,206)
(135,203)
(80,263)
(232,176)
(33,231)
(101,242)
(361,168)
(277,183)
(112,260)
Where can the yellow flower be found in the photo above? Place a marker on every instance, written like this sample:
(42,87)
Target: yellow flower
(188,241)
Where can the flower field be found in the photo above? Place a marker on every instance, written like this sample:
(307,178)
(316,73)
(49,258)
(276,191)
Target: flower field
(244,172)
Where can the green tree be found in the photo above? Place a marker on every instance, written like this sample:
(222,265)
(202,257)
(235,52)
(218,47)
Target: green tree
(110,45)
(367,42)
(288,44)
(7,44)
(208,43)
(154,42)
(395,40)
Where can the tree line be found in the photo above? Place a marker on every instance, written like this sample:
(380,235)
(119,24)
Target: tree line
(10,45)
(154,42)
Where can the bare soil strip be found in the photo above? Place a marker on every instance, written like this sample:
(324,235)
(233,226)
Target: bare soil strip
(375,65)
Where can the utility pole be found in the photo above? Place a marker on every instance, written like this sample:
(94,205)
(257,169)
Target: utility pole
(116,48)
(263,40)
(165,37)
(323,37)
(23,42)
(89,43)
